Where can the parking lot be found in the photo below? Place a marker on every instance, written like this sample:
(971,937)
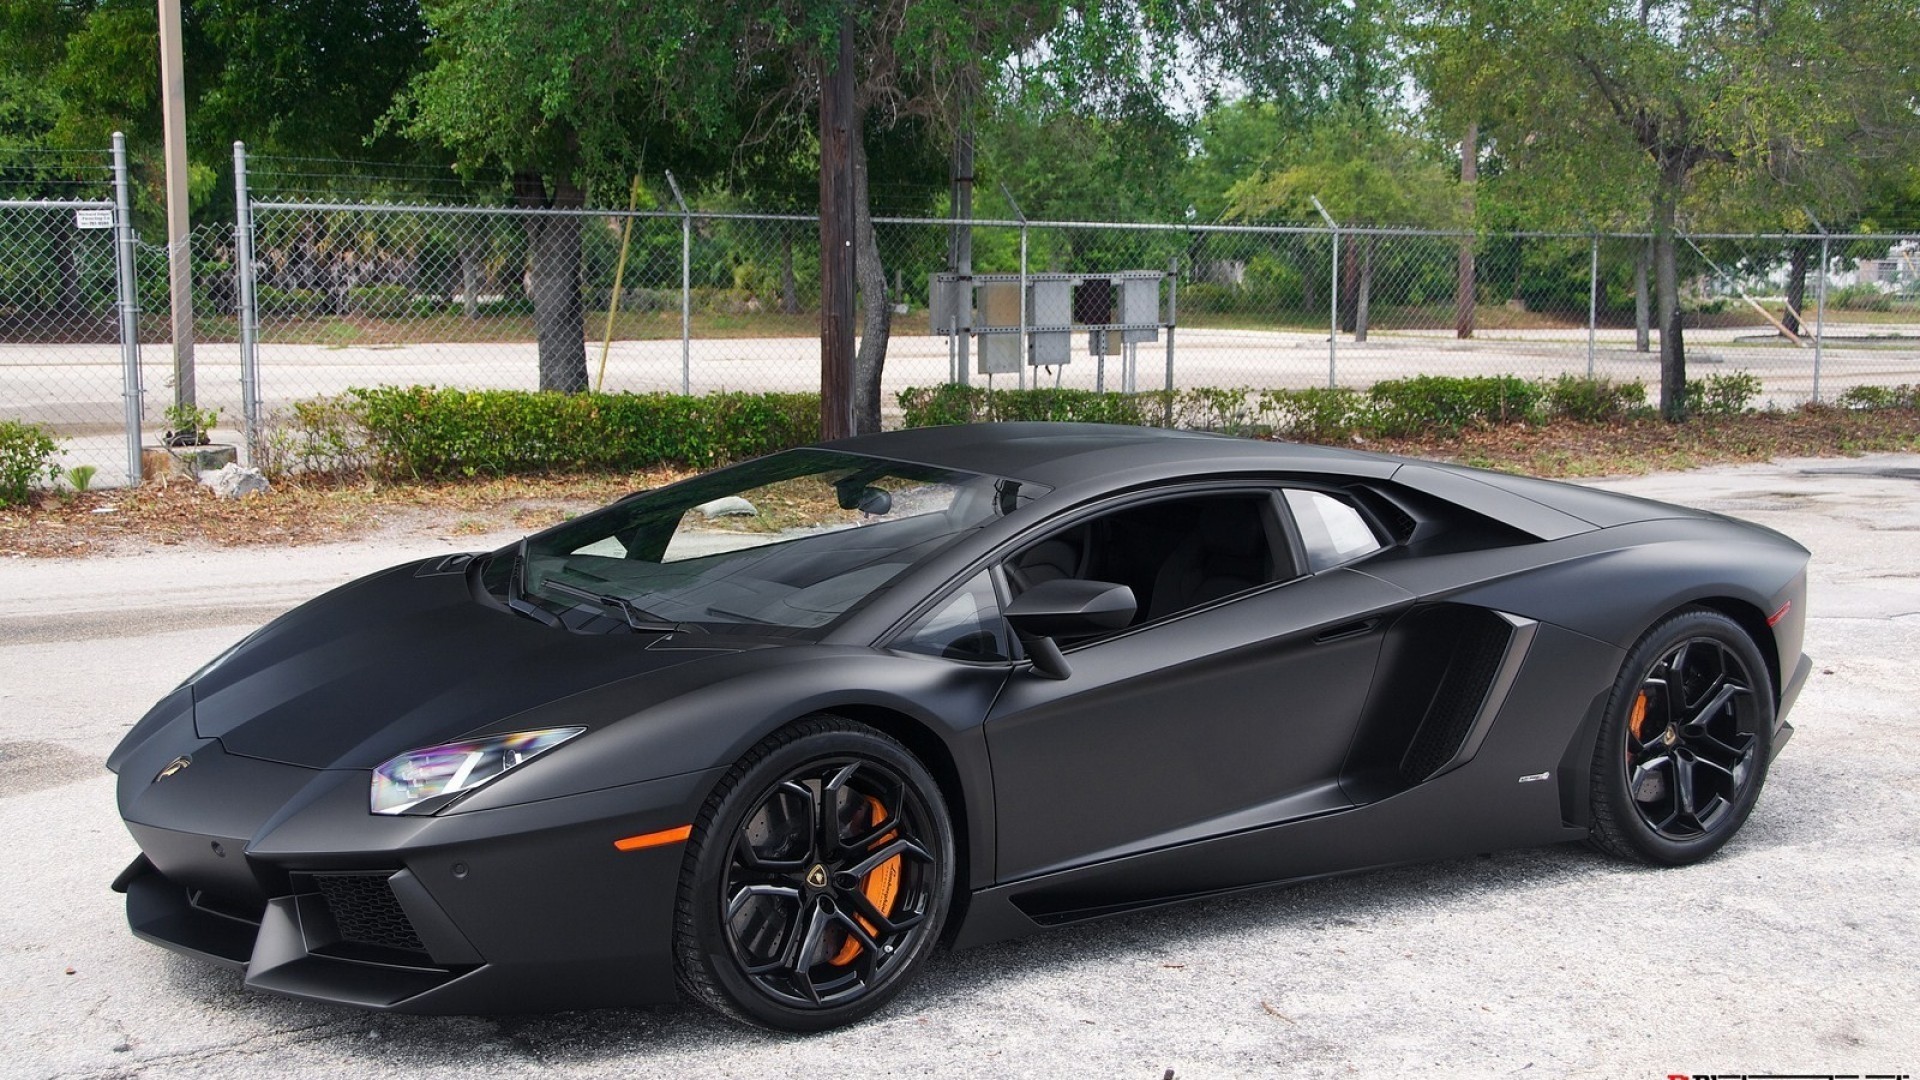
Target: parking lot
(1792,951)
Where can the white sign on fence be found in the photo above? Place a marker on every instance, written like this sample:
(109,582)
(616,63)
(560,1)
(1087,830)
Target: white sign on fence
(93,219)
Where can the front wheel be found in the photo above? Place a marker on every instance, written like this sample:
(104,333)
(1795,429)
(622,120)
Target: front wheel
(1685,743)
(817,879)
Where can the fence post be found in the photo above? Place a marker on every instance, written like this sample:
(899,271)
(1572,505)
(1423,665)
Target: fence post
(129,299)
(686,288)
(248,315)
(1593,300)
(1333,297)
(1173,310)
(1820,312)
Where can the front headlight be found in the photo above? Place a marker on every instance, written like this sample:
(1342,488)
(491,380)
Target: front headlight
(424,780)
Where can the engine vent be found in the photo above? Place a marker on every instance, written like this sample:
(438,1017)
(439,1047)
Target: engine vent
(365,910)
(451,564)
(1477,652)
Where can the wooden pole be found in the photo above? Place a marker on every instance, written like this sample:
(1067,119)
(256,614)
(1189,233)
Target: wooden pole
(619,275)
(836,240)
(173,111)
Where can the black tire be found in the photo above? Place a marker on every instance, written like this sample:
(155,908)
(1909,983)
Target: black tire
(807,925)
(1684,747)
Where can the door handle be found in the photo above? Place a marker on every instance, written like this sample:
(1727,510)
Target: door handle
(1344,631)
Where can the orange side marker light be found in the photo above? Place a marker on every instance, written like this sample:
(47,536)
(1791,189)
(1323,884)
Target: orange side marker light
(1781,614)
(654,839)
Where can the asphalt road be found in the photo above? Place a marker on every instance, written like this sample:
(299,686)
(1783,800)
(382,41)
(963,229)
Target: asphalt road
(1792,951)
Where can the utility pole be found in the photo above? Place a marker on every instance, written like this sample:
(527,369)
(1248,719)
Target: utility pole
(1465,298)
(173,102)
(961,257)
(836,239)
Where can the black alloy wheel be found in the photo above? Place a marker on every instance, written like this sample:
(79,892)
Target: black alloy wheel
(1686,741)
(817,879)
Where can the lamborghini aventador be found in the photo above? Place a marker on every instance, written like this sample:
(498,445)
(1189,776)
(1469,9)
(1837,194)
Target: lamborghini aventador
(765,737)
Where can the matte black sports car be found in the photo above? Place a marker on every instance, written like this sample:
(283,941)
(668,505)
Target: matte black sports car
(768,735)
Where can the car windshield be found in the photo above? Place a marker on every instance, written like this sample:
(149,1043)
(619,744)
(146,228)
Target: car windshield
(784,544)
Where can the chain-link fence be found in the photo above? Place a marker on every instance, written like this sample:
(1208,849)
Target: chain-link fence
(297,300)
(69,356)
(660,301)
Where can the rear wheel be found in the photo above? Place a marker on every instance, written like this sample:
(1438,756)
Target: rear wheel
(817,879)
(1684,747)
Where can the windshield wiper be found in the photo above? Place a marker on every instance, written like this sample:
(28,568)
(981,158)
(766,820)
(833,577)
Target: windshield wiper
(637,617)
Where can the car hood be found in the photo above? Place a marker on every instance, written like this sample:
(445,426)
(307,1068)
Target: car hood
(408,658)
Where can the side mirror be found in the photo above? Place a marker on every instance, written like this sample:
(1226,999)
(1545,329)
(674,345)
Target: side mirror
(1067,608)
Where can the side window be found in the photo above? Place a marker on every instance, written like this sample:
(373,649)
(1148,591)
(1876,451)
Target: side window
(967,626)
(1332,531)
(1175,554)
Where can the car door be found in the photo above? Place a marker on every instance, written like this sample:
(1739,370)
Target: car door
(1235,713)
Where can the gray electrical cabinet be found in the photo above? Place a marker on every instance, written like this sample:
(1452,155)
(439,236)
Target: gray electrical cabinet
(1140,303)
(1050,323)
(949,303)
(999,309)
(1121,308)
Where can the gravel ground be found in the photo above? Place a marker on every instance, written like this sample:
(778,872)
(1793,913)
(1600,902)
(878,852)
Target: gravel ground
(1793,951)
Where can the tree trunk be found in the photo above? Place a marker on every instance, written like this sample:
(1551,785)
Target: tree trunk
(876,305)
(1642,327)
(789,287)
(840,133)
(1797,260)
(553,260)
(1464,300)
(470,282)
(1673,355)
(1364,301)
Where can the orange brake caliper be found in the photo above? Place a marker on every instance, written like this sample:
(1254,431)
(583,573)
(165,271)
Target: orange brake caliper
(881,887)
(1639,715)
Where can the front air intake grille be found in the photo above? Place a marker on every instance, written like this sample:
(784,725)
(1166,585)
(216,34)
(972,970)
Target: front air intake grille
(365,911)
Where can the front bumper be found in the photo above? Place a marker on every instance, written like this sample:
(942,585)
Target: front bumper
(281,873)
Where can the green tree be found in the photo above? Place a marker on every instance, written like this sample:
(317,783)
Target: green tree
(1366,172)
(1608,105)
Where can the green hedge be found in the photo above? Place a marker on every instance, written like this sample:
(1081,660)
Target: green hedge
(1428,403)
(427,432)
(422,431)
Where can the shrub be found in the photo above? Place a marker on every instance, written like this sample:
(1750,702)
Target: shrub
(1233,411)
(1084,406)
(1862,297)
(1723,395)
(947,403)
(1578,397)
(1904,396)
(422,431)
(1450,403)
(503,307)
(951,403)
(320,436)
(379,301)
(290,303)
(1320,413)
(27,454)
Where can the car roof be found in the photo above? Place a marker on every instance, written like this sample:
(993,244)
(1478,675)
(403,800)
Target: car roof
(1064,455)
